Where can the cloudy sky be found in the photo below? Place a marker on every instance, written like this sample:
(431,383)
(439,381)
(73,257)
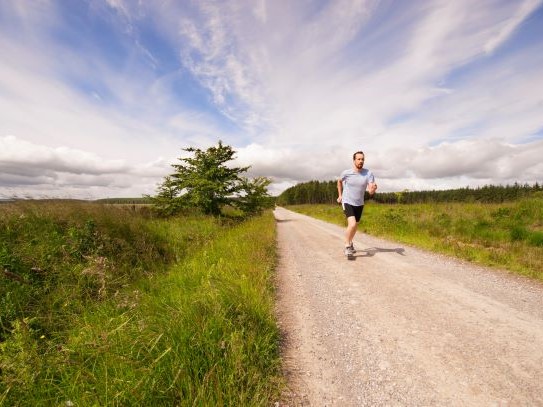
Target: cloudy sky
(99,97)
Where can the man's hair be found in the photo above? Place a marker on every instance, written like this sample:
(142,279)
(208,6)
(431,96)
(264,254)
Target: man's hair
(358,152)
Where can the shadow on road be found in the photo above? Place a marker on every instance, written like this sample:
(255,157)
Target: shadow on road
(374,250)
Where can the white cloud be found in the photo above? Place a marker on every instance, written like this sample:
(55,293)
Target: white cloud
(139,119)
(16,152)
(62,171)
(509,25)
(211,54)
(449,164)
(290,164)
(483,161)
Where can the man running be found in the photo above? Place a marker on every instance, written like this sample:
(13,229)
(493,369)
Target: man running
(351,185)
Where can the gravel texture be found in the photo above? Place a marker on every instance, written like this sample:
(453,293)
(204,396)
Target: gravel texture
(398,326)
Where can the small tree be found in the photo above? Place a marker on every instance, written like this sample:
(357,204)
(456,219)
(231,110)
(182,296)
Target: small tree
(255,195)
(205,182)
(165,197)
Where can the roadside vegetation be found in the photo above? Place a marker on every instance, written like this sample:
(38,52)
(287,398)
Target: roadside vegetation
(142,302)
(507,235)
(105,305)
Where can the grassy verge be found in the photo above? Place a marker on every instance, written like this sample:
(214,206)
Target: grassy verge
(57,257)
(508,235)
(193,327)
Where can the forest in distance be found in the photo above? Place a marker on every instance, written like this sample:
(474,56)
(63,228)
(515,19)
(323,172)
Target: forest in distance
(325,192)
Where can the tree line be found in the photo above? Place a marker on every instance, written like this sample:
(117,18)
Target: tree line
(325,192)
(125,201)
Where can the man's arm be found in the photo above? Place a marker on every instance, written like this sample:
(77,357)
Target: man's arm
(339,190)
(372,187)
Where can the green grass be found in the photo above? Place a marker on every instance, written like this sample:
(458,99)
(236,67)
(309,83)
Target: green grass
(508,235)
(192,325)
(58,256)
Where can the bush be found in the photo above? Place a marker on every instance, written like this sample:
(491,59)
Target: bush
(536,239)
(518,233)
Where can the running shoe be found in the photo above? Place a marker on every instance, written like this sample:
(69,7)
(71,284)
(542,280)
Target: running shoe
(352,247)
(348,251)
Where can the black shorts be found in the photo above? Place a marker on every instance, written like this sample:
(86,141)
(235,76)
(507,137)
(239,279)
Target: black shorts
(350,210)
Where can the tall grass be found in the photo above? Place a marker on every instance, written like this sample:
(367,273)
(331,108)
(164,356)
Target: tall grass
(55,257)
(507,235)
(197,329)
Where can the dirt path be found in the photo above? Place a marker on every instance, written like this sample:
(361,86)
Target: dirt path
(400,326)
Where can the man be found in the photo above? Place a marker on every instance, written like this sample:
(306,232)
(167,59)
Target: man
(351,186)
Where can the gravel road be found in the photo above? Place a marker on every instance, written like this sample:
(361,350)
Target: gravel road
(401,326)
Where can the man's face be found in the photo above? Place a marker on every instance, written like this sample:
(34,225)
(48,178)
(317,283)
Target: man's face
(359,161)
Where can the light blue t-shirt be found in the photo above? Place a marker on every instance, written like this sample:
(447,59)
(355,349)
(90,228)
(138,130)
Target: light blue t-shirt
(354,185)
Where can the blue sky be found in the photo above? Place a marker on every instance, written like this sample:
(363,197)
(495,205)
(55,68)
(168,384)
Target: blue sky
(98,97)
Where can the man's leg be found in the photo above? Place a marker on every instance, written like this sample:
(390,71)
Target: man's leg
(351,230)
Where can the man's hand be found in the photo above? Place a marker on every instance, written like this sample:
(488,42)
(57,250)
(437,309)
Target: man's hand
(339,199)
(372,188)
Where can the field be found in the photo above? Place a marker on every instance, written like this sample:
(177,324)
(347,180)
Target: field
(507,235)
(109,305)
(104,304)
